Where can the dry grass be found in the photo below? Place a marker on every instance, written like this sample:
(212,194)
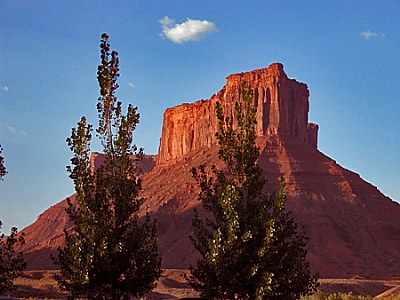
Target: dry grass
(358,286)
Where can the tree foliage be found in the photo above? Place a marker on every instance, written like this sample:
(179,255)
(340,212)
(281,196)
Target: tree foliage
(12,262)
(250,247)
(3,170)
(112,251)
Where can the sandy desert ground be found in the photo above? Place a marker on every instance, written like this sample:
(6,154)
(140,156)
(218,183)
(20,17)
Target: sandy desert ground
(42,284)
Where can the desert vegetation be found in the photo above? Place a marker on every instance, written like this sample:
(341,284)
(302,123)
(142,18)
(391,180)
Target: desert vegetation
(336,296)
(12,262)
(3,170)
(343,296)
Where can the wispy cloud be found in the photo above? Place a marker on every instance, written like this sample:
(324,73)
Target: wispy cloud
(13,130)
(131,85)
(6,88)
(191,30)
(369,34)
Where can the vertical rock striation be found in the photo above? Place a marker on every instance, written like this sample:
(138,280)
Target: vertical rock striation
(282,108)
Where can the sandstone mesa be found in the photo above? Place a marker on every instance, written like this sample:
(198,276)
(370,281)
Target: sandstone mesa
(354,229)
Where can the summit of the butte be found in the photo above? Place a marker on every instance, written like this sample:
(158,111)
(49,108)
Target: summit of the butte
(353,229)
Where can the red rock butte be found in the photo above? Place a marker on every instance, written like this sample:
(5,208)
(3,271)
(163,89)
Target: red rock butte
(282,108)
(353,229)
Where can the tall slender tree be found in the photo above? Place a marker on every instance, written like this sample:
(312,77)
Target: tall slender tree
(112,252)
(250,247)
(3,170)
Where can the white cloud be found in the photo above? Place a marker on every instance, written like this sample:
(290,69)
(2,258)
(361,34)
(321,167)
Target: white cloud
(191,30)
(369,34)
(6,88)
(131,85)
(11,129)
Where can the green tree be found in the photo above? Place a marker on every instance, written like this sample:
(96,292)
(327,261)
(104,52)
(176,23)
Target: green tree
(12,263)
(3,170)
(111,252)
(250,247)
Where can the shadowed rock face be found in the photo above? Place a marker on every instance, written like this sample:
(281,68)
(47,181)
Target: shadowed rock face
(353,228)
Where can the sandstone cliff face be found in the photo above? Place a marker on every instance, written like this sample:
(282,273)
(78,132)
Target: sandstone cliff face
(282,108)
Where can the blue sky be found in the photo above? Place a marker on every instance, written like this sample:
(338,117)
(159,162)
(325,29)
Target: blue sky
(346,51)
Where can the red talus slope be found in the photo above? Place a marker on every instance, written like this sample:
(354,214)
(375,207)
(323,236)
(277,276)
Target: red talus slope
(353,228)
(44,236)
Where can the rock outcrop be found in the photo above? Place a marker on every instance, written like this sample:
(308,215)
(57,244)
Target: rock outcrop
(353,229)
(282,108)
